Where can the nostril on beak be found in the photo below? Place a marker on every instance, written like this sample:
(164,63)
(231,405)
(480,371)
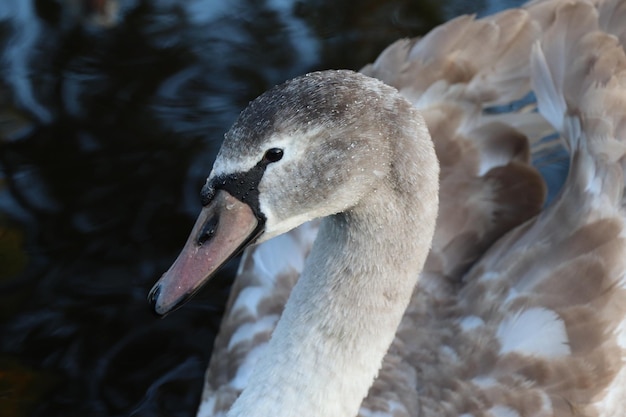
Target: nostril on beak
(208,231)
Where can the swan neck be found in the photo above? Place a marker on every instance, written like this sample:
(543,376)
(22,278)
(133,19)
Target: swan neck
(344,311)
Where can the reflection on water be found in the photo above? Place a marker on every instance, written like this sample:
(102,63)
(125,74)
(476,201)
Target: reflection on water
(110,115)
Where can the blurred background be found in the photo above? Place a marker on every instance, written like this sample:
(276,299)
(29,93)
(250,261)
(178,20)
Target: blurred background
(111,112)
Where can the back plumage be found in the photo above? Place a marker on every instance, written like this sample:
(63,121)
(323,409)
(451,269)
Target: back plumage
(550,294)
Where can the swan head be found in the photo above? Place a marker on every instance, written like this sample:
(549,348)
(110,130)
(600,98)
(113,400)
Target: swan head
(311,147)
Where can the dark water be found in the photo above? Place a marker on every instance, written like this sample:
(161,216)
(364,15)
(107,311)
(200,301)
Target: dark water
(109,122)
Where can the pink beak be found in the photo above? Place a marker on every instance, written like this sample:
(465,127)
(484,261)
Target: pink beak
(224,226)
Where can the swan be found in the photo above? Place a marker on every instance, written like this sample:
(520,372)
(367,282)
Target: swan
(534,325)
(305,144)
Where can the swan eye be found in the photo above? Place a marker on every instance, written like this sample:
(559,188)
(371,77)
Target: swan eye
(273,155)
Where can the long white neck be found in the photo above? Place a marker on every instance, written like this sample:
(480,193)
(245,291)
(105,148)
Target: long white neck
(344,311)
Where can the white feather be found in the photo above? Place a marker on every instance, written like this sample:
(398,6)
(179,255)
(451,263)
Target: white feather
(535,332)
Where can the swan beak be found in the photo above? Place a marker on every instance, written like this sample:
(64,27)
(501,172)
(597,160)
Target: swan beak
(225,226)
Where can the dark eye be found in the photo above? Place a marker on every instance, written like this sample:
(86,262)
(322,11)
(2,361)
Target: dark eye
(273,155)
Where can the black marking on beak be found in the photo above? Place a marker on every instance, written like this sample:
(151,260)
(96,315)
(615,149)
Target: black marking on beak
(244,186)
(206,194)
